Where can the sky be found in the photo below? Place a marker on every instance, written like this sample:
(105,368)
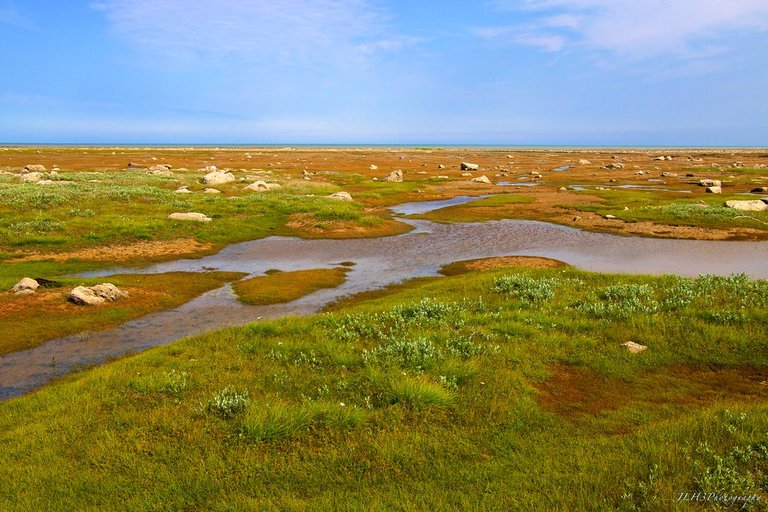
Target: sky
(499,72)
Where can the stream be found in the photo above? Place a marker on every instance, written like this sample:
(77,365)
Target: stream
(378,262)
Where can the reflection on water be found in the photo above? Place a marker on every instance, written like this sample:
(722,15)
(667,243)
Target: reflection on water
(379,262)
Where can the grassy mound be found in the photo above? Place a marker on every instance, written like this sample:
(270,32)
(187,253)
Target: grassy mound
(278,287)
(499,390)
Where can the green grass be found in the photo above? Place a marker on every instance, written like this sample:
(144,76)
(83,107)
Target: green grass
(501,390)
(278,287)
(672,209)
(489,208)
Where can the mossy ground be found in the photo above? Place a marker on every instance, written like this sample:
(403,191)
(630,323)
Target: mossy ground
(278,287)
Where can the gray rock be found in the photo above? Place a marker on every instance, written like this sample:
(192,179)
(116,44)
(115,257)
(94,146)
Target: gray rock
(108,291)
(613,166)
(466,166)
(481,179)
(714,190)
(193,216)
(218,178)
(258,186)
(634,348)
(25,284)
(84,296)
(341,196)
(31,177)
(755,205)
(34,168)
(395,176)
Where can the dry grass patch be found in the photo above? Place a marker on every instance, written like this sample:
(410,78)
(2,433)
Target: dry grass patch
(279,287)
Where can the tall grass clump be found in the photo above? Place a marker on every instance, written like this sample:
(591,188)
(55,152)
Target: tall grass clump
(284,421)
(415,355)
(525,288)
(228,402)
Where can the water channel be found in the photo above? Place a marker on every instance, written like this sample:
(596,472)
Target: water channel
(378,262)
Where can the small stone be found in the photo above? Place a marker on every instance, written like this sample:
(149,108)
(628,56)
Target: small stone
(258,186)
(584,161)
(610,217)
(613,166)
(634,348)
(710,183)
(193,216)
(34,168)
(211,191)
(182,190)
(373,167)
(440,166)
(562,189)
(395,176)
(341,196)
(218,178)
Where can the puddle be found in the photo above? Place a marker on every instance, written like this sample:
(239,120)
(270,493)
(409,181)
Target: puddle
(418,207)
(514,184)
(378,263)
(648,188)
(562,168)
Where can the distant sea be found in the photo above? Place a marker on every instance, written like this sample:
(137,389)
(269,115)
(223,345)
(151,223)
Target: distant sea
(490,147)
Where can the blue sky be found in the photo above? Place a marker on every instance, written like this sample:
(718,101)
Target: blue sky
(593,72)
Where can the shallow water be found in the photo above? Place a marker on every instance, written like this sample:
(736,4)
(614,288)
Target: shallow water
(379,262)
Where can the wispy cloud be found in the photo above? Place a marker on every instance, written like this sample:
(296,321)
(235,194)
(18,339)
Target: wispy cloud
(10,15)
(326,32)
(635,29)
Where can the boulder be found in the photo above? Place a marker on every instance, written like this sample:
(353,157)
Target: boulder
(710,183)
(760,190)
(714,190)
(584,161)
(395,176)
(108,291)
(193,216)
(466,166)
(340,196)
(31,177)
(84,296)
(634,348)
(258,186)
(25,286)
(613,166)
(218,178)
(481,179)
(211,191)
(755,205)
(183,190)
(34,168)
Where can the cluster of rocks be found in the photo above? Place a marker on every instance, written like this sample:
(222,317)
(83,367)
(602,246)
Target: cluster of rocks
(662,158)
(713,186)
(83,295)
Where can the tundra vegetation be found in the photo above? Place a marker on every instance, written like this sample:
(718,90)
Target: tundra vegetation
(498,389)
(505,389)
